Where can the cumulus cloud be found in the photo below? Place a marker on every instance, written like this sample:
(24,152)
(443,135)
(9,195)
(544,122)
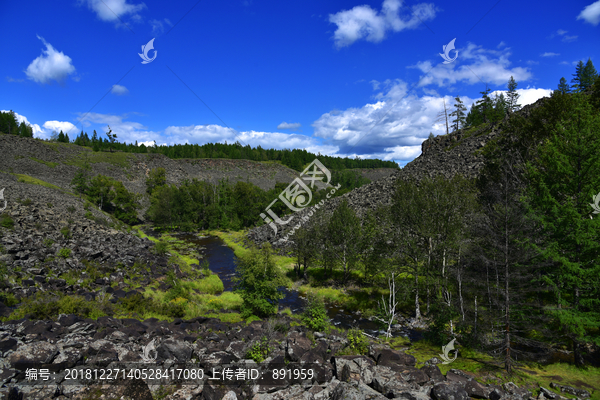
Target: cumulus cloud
(292,126)
(51,65)
(114,10)
(476,65)
(591,14)
(119,90)
(363,22)
(64,126)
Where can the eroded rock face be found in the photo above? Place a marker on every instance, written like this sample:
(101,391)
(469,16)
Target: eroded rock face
(206,343)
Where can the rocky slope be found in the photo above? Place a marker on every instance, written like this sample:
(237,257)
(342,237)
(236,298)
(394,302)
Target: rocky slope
(71,344)
(447,155)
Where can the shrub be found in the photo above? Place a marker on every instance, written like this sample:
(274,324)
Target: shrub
(161,247)
(71,209)
(357,341)
(45,305)
(89,215)
(48,242)
(49,205)
(27,202)
(64,253)
(259,351)
(315,313)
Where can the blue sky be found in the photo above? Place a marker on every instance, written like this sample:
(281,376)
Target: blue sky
(347,78)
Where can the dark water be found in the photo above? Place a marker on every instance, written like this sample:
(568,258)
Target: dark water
(221,261)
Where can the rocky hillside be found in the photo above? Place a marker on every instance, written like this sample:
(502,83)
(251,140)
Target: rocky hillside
(57,163)
(448,155)
(71,345)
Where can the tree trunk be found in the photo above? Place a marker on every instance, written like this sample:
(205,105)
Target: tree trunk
(417,308)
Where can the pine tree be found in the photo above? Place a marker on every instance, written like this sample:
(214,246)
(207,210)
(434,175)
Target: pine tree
(112,137)
(500,107)
(459,114)
(563,87)
(512,96)
(485,105)
(564,175)
(578,80)
(61,137)
(589,75)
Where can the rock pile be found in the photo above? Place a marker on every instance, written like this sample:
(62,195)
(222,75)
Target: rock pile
(72,343)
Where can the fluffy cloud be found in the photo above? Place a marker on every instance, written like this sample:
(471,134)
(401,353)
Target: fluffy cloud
(483,66)
(113,10)
(65,126)
(292,126)
(51,65)
(362,22)
(119,90)
(591,14)
(127,131)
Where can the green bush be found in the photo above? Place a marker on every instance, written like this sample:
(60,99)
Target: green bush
(357,341)
(27,202)
(142,305)
(64,253)
(315,313)
(89,215)
(48,242)
(71,209)
(259,350)
(161,247)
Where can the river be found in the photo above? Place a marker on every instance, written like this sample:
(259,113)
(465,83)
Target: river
(221,260)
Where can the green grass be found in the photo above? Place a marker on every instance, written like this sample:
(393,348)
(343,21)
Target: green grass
(489,370)
(48,163)
(35,181)
(118,159)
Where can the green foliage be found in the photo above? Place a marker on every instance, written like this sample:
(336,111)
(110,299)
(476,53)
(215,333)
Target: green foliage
(357,342)
(48,242)
(141,305)
(564,176)
(66,232)
(64,253)
(35,181)
(6,221)
(156,178)
(315,313)
(563,86)
(89,215)
(584,76)
(111,196)
(258,280)
(259,350)
(342,239)
(45,305)
(48,163)
(161,247)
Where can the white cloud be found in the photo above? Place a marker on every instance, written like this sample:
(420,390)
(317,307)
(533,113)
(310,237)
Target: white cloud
(363,22)
(492,66)
(547,54)
(565,38)
(119,90)
(113,10)
(292,126)
(127,131)
(158,27)
(51,65)
(591,14)
(64,126)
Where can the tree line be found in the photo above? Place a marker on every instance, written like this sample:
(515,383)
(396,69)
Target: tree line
(491,110)
(508,262)
(9,125)
(198,204)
